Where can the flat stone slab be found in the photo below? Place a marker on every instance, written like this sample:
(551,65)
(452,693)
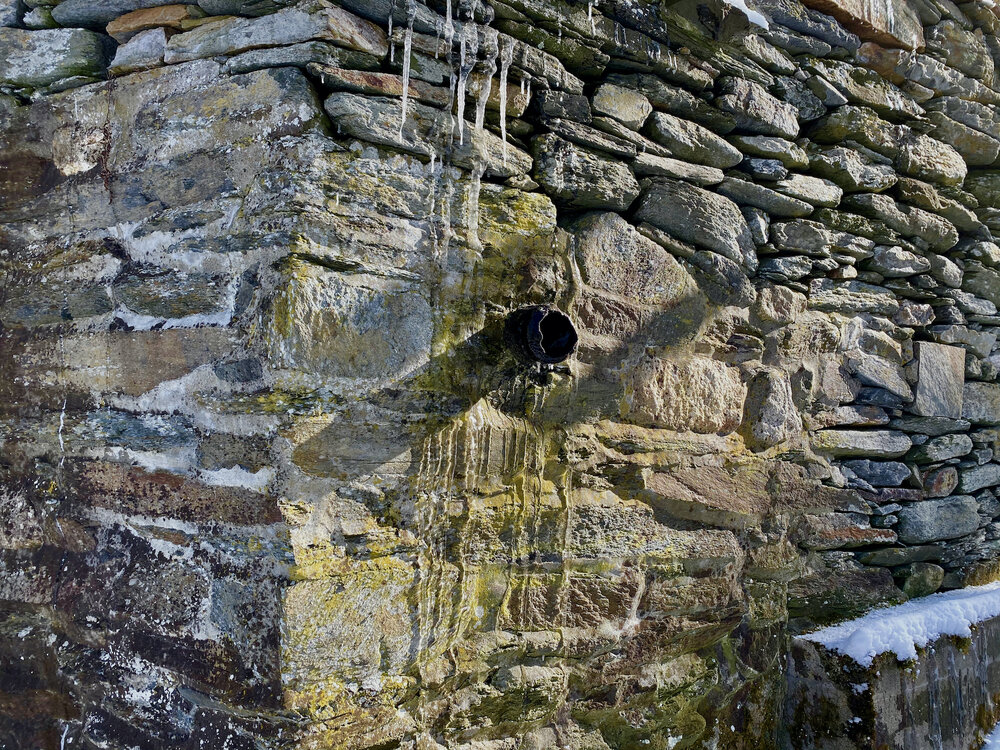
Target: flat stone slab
(981,403)
(38,58)
(940,379)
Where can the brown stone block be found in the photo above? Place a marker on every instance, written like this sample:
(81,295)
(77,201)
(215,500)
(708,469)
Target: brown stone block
(125,27)
(132,491)
(740,495)
(894,23)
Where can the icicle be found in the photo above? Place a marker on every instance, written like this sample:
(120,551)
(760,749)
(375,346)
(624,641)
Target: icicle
(590,16)
(467,51)
(392,44)
(449,26)
(492,37)
(411,13)
(506,55)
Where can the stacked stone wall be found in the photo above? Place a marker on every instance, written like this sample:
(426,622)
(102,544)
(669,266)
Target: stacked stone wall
(270,475)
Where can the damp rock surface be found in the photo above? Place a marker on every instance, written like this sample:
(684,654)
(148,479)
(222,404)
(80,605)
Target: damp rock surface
(272,474)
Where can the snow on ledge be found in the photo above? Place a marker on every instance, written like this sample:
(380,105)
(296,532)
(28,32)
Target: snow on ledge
(904,628)
(755,17)
(992,742)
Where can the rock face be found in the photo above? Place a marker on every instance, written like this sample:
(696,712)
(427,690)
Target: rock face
(272,474)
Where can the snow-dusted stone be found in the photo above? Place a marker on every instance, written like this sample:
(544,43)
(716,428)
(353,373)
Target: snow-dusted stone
(902,629)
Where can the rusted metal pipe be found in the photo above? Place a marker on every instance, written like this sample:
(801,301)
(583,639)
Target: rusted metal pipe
(540,333)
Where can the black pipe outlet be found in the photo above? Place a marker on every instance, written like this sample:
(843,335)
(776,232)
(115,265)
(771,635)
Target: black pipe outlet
(540,333)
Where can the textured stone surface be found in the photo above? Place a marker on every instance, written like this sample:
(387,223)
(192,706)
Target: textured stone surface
(933,520)
(940,380)
(894,23)
(582,178)
(273,474)
(981,403)
(697,216)
(39,58)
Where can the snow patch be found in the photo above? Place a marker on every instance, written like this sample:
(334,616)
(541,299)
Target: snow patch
(992,741)
(754,16)
(904,628)
(237,477)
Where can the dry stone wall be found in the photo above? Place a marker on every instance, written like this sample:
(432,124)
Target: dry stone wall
(270,476)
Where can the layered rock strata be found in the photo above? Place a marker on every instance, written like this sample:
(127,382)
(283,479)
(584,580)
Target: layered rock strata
(269,476)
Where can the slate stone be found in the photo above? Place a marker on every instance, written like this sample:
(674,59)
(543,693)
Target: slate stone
(699,217)
(940,482)
(940,380)
(895,262)
(830,295)
(747,193)
(980,477)
(230,35)
(938,519)
(941,449)
(770,416)
(880,473)
(849,169)
(890,557)
(96,14)
(861,443)
(628,106)
(981,403)
(787,152)
(39,58)
(426,131)
(755,110)
(142,52)
(301,56)
(581,178)
(664,166)
(692,142)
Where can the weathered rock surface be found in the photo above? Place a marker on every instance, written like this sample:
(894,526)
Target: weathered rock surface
(933,520)
(39,58)
(698,216)
(275,470)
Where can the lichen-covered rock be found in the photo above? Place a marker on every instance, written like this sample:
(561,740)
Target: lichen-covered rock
(581,178)
(934,520)
(276,468)
(39,58)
